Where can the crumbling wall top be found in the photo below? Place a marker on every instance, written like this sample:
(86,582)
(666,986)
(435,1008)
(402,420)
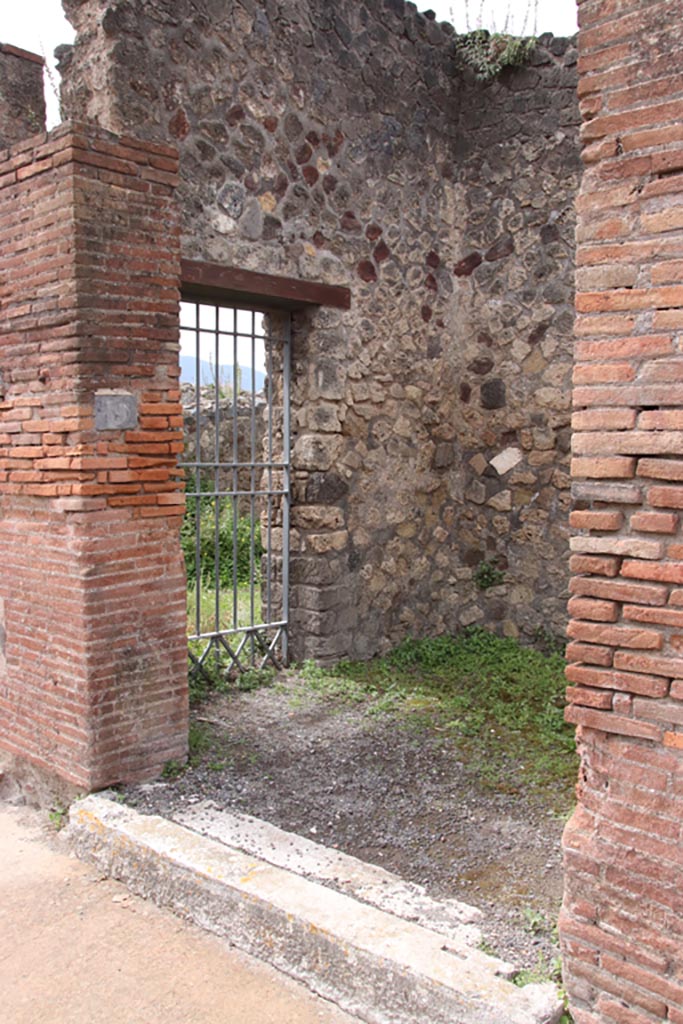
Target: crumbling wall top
(22,99)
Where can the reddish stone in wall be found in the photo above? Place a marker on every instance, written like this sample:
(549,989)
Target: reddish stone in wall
(93,683)
(468,264)
(412,180)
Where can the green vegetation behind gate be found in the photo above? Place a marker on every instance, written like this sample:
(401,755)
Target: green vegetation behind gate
(500,703)
(237,548)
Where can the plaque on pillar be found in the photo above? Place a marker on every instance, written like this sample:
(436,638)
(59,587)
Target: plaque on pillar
(115,410)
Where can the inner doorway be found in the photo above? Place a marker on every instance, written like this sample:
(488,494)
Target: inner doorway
(235,383)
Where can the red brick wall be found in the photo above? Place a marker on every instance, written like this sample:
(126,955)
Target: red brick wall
(622,922)
(93,682)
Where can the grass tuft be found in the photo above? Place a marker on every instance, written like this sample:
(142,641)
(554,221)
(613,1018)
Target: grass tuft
(500,702)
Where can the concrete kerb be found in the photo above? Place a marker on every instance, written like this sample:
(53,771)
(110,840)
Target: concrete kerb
(375,965)
(454,920)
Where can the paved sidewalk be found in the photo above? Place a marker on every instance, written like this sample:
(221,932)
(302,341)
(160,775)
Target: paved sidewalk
(79,949)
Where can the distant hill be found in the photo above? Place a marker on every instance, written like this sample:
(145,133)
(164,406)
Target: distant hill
(207,374)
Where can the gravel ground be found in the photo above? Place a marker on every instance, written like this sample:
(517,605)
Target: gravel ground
(385,794)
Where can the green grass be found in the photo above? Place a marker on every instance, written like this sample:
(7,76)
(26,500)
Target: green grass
(501,703)
(218,673)
(206,746)
(546,971)
(239,553)
(199,742)
(228,548)
(207,608)
(58,815)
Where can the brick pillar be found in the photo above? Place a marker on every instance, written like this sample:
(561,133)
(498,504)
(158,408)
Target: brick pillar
(93,685)
(622,920)
(22,97)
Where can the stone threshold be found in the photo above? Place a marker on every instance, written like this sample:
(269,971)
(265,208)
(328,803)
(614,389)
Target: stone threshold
(374,944)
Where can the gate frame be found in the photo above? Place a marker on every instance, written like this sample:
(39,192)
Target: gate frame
(254,639)
(268,293)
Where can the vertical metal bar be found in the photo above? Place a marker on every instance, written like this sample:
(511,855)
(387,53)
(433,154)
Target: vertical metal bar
(268,344)
(235,470)
(252,499)
(286,439)
(216,483)
(197,480)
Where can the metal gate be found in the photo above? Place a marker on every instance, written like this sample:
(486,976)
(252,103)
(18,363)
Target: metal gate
(235,385)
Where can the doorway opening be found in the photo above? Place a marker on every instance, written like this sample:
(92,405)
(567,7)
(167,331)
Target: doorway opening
(235,382)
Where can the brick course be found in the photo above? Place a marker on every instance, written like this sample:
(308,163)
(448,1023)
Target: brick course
(93,680)
(621,922)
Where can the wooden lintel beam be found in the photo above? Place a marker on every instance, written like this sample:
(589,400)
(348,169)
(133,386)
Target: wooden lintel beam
(260,290)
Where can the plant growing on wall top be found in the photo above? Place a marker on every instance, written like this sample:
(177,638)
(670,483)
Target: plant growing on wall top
(488,53)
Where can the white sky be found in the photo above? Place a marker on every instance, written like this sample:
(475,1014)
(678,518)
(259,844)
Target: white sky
(39,25)
(523,17)
(199,329)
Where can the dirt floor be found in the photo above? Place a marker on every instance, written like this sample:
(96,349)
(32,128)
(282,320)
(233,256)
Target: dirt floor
(394,796)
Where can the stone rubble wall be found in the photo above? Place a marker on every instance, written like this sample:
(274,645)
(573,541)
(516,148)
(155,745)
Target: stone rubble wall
(508,367)
(22,99)
(206,434)
(343,144)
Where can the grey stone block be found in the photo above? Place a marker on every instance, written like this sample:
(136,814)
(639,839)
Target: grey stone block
(115,411)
